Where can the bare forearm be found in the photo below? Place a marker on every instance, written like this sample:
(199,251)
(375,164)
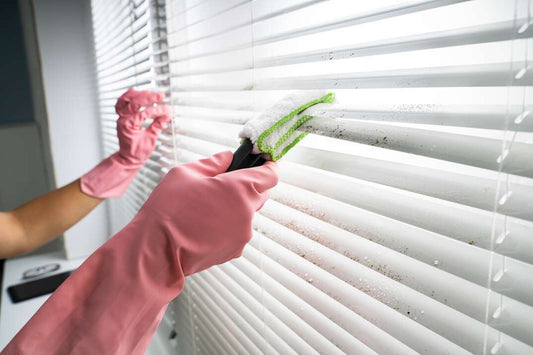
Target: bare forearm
(48,216)
(43,219)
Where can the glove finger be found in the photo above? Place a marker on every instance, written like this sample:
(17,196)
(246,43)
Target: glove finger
(146,98)
(151,112)
(157,126)
(160,121)
(252,184)
(212,166)
(131,101)
(263,198)
(263,177)
(122,107)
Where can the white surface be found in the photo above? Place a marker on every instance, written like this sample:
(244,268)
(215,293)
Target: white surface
(20,153)
(14,316)
(117,69)
(361,257)
(353,246)
(40,113)
(63,30)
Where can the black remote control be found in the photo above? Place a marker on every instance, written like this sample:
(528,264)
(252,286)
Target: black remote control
(36,288)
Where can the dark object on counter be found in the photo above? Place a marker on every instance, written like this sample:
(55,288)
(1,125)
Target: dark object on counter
(36,288)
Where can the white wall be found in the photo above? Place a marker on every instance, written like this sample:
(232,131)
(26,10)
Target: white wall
(64,34)
(23,173)
(25,160)
(22,165)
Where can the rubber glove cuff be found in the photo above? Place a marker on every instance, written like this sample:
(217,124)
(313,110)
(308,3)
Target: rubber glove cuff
(110,178)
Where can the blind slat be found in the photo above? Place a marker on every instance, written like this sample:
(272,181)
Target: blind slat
(232,290)
(414,335)
(246,324)
(471,226)
(402,222)
(277,317)
(375,338)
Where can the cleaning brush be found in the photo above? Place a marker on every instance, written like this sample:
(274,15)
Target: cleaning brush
(273,133)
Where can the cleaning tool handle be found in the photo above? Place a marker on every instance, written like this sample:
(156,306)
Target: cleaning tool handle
(244,158)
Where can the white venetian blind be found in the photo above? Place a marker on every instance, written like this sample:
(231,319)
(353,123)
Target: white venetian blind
(404,222)
(130,50)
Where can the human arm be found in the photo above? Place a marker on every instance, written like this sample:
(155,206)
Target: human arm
(37,222)
(46,217)
(198,216)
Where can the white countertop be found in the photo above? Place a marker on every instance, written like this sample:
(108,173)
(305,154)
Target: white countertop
(14,315)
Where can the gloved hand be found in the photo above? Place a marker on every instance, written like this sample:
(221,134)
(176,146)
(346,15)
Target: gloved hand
(112,176)
(197,216)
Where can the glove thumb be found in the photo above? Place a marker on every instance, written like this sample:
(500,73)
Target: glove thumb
(214,165)
(264,177)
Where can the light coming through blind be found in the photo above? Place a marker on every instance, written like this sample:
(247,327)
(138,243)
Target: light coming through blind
(404,222)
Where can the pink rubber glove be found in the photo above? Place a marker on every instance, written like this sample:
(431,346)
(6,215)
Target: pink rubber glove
(112,176)
(198,216)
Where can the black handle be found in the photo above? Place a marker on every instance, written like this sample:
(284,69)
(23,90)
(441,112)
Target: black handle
(244,158)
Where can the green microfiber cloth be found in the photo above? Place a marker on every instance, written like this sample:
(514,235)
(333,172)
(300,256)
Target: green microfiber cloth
(273,136)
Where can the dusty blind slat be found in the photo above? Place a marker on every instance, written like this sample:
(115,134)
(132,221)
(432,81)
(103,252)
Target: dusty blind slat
(403,222)
(130,51)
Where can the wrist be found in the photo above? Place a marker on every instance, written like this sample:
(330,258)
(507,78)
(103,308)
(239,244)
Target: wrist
(128,160)
(110,178)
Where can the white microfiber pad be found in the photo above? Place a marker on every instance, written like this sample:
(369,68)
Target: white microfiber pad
(273,132)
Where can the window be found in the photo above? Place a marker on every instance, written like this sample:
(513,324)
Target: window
(403,223)
(130,51)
